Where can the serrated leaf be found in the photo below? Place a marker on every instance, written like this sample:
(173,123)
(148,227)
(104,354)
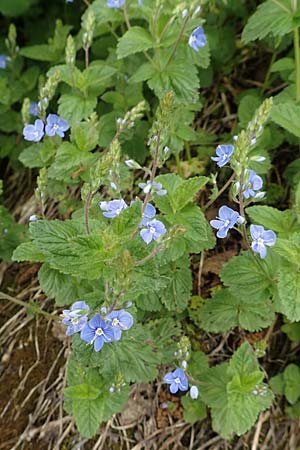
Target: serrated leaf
(225,310)
(68,251)
(175,77)
(28,251)
(271,18)
(83,391)
(288,301)
(178,287)
(193,410)
(272,218)
(135,40)
(241,271)
(287,116)
(68,160)
(75,107)
(291,377)
(88,415)
(234,411)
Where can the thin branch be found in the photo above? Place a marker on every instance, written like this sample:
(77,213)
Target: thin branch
(34,307)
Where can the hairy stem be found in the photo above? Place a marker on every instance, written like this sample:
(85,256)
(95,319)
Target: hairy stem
(184,25)
(223,188)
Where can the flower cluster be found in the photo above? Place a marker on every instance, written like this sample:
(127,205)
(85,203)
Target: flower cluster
(152,229)
(54,125)
(96,331)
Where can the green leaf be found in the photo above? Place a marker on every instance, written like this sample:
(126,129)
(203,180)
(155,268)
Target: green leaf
(176,78)
(225,310)
(75,107)
(69,251)
(14,8)
(85,135)
(135,40)
(288,301)
(272,218)
(292,330)
(287,116)
(28,251)
(291,377)
(247,108)
(38,154)
(143,73)
(193,410)
(185,192)
(69,159)
(231,392)
(83,391)
(41,52)
(66,289)
(241,271)
(178,288)
(271,18)
(88,415)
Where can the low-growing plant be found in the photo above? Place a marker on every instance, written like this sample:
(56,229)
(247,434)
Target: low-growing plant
(103,128)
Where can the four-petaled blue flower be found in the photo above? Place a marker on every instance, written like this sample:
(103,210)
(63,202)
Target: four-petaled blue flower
(75,318)
(154,230)
(194,392)
(177,380)
(56,125)
(154,187)
(115,3)
(261,239)
(224,153)
(34,132)
(33,109)
(3,61)
(120,320)
(113,208)
(227,219)
(97,332)
(148,214)
(254,183)
(197,39)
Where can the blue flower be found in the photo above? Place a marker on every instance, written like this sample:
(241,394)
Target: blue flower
(154,230)
(75,318)
(113,208)
(3,61)
(148,214)
(115,3)
(154,187)
(224,153)
(194,392)
(177,380)
(227,219)
(261,239)
(197,39)
(34,132)
(120,320)
(254,183)
(33,109)
(97,332)
(56,125)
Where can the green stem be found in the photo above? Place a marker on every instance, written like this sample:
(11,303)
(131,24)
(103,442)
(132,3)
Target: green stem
(178,39)
(188,151)
(177,159)
(33,307)
(268,74)
(297,62)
